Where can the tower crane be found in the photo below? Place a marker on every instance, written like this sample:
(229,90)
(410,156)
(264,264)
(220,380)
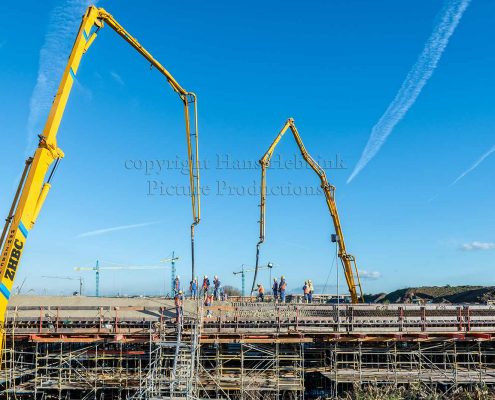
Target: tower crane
(173,271)
(69,278)
(348,261)
(97,268)
(36,178)
(243,272)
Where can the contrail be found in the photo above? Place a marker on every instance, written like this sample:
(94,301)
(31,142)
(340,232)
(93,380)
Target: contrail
(62,29)
(113,229)
(474,166)
(415,80)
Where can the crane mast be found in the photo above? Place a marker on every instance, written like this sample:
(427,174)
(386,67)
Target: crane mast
(33,188)
(348,261)
(243,272)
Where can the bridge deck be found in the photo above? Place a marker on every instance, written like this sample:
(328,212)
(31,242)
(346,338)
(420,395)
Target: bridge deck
(91,319)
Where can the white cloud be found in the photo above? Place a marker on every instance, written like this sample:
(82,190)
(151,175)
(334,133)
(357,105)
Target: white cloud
(415,80)
(369,274)
(103,231)
(474,166)
(475,246)
(117,78)
(62,29)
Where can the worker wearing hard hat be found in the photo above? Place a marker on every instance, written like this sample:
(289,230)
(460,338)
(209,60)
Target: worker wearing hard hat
(176,284)
(282,288)
(261,292)
(179,306)
(311,291)
(193,288)
(306,292)
(275,290)
(206,285)
(217,285)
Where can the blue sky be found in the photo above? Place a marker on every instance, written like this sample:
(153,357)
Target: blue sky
(334,66)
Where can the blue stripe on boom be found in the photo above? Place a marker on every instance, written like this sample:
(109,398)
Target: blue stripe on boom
(85,35)
(4,291)
(72,73)
(23,229)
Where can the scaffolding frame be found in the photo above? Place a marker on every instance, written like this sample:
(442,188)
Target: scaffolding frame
(245,352)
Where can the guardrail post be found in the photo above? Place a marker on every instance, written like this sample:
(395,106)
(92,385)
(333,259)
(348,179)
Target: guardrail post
(459,318)
(100,317)
(297,318)
(40,328)
(236,318)
(161,318)
(423,318)
(468,318)
(116,320)
(351,318)
(401,319)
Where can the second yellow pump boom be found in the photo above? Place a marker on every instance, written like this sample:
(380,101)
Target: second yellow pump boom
(36,179)
(348,261)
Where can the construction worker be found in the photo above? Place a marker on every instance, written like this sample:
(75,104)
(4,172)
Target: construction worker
(206,285)
(311,291)
(282,287)
(261,292)
(275,290)
(208,302)
(176,285)
(193,288)
(216,288)
(179,307)
(306,292)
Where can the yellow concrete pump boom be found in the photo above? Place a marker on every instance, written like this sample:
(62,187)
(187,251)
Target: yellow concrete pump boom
(33,187)
(348,261)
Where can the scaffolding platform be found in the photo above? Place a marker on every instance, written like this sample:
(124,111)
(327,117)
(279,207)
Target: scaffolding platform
(79,347)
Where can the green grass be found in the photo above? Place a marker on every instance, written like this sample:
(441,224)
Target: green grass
(417,392)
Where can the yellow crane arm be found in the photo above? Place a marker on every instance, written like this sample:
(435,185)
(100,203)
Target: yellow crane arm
(190,101)
(33,188)
(348,261)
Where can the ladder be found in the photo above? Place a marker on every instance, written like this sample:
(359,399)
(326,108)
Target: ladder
(184,377)
(173,366)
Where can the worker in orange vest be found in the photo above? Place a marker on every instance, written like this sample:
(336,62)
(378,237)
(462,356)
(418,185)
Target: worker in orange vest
(179,307)
(208,304)
(261,292)
(282,287)
(206,285)
(306,292)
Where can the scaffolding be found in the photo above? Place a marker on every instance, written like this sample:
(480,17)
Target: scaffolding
(242,351)
(437,365)
(251,371)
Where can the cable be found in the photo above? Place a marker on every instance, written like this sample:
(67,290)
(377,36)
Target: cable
(131,266)
(337,269)
(329,273)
